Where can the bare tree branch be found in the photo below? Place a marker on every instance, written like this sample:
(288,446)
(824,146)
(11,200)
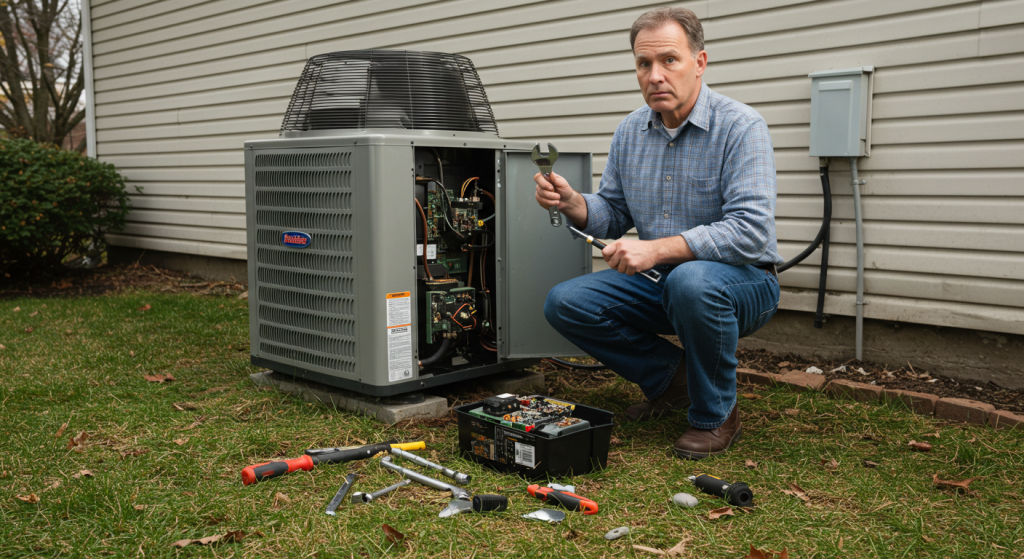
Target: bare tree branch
(41,68)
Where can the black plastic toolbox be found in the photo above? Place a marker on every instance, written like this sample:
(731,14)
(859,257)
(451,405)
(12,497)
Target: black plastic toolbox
(508,447)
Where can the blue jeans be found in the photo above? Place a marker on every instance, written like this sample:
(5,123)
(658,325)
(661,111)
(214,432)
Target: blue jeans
(617,319)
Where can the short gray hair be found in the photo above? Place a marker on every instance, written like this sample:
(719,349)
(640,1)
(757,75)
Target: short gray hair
(660,16)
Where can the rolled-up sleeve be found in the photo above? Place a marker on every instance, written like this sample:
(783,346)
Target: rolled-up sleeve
(608,215)
(747,229)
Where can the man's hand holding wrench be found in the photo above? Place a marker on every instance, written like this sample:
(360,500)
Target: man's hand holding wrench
(556,195)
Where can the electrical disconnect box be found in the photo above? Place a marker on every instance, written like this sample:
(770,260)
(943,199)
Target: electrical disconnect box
(394,241)
(841,112)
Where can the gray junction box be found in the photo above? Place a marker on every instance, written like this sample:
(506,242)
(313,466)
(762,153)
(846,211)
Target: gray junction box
(339,291)
(841,112)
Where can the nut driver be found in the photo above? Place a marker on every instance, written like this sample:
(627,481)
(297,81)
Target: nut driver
(651,274)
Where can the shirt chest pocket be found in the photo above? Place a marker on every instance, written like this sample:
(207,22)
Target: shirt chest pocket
(701,197)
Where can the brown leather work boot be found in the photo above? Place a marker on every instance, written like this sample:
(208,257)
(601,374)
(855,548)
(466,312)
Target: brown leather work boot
(701,443)
(674,399)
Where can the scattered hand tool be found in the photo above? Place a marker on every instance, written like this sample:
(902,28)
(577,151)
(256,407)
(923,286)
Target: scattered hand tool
(481,503)
(267,470)
(544,163)
(418,445)
(651,274)
(458,493)
(461,479)
(366,498)
(570,501)
(737,494)
(333,505)
(547,515)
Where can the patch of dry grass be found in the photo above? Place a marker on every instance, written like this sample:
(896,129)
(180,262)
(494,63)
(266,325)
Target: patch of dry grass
(165,460)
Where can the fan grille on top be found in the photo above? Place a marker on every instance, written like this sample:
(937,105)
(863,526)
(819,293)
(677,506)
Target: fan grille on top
(360,89)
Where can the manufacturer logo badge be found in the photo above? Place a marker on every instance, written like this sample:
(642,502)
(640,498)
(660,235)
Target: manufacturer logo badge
(296,239)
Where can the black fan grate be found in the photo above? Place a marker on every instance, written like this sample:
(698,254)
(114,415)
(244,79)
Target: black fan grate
(360,89)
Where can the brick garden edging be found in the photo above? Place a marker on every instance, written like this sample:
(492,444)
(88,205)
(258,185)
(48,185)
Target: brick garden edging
(953,409)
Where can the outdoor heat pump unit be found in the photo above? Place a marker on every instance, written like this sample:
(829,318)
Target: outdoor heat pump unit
(394,242)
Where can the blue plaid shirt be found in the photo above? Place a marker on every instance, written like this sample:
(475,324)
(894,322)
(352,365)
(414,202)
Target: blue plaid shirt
(713,183)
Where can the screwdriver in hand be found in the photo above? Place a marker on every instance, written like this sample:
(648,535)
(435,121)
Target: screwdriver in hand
(651,274)
(267,470)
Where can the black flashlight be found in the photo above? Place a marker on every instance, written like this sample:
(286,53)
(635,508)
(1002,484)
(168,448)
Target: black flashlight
(738,494)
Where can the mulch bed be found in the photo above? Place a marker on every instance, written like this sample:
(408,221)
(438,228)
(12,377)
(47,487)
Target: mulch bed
(116,278)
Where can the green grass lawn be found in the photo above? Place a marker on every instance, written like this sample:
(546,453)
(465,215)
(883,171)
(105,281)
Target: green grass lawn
(165,460)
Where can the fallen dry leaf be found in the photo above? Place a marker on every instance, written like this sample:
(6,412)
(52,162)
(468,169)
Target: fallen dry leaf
(180,442)
(134,453)
(750,464)
(29,330)
(53,485)
(784,364)
(751,396)
(870,464)
(829,464)
(920,447)
(33,313)
(2,347)
(61,430)
(185,406)
(648,549)
(78,442)
(16,309)
(31,498)
(145,308)
(718,513)
(158,377)
(797,492)
(679,549)
(615,440)
(199,420)
(392,535)
(281,499)
(230,537)
(959,485)
(767,553)
(83,473)
(792,412)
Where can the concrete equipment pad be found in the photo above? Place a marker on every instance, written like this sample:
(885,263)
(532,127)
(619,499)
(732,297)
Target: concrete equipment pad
(522,383)
(432,407)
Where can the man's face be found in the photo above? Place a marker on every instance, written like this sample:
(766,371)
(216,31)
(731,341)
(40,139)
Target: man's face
(668,73)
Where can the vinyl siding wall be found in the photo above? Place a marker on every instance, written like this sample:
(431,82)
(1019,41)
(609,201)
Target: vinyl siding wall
(181,84)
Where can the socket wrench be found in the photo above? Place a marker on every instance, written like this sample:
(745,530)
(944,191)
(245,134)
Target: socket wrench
(360,497)
(461,479)
(457,492)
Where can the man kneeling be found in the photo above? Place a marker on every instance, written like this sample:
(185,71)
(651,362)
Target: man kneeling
(694,173)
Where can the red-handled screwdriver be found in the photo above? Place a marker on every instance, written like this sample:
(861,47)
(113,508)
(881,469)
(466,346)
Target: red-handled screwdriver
(267,470)
(570,501)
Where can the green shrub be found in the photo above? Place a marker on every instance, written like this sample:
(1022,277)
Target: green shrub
(53,204)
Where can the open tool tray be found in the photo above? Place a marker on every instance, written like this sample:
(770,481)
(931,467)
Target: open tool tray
(535,449)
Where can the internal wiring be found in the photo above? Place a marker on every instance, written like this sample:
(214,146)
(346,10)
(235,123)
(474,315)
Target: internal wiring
(426,231)
(462,193)
(440,167)
(491,196)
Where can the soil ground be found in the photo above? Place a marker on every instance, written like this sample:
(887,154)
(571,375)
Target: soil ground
(106,279)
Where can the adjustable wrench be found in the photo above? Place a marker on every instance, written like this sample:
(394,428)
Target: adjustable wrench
(544,163)
(651,274)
